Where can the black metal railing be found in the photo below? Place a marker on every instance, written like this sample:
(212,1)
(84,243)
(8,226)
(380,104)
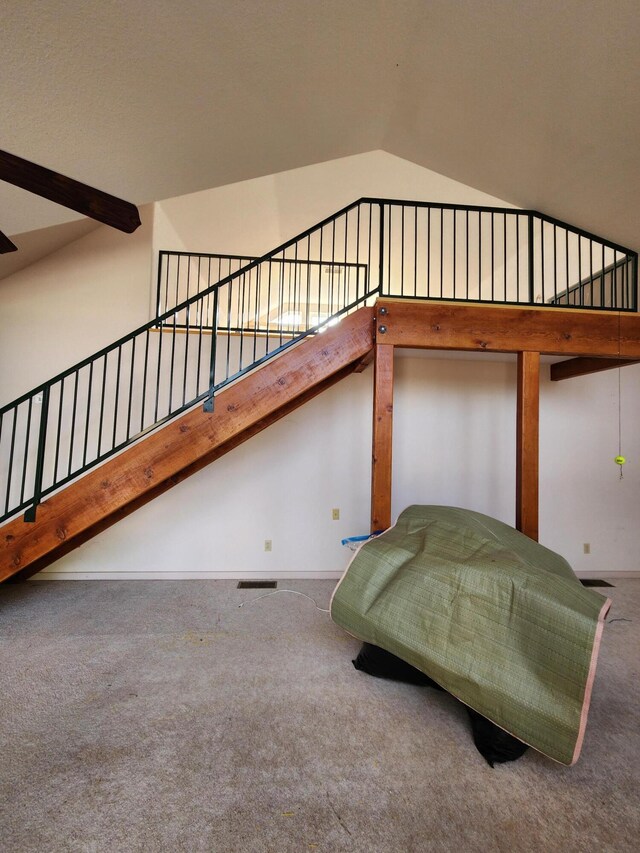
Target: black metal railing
(500,255)
(182,275)
(297,282)
(221,316)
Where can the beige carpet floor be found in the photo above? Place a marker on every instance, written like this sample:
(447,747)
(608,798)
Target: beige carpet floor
(160,716)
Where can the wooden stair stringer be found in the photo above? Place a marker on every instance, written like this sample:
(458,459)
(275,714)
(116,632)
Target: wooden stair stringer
(166,457)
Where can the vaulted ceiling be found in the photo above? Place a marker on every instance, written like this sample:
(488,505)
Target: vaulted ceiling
(537,103)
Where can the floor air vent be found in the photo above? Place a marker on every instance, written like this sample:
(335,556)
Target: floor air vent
(594,582)
(257,584)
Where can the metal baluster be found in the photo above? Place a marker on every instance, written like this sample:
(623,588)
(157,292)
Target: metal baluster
(467,255)
(580,284)
(102,396)
(504,246)
(229,289)
(26,449)
(517,258)
(73,421)
(531,268)
(389,250)
(186,341)
(129,407)
(308,318)
(402,210)
(345,298)
(479,254)
(358,254)
(544,294)
(441,251)
(320,279)
(30,514)
(493,264)
(415,250)
(173,353)
(380,252)
(58,432)
(177,300)
(208,403)
(454,253)
(256,318)
(11,457)
(117,396)
(160,337)
(199,314)
(241,312)
(566,256)
(87,419)
(2,414)
(159,309)
(555,265)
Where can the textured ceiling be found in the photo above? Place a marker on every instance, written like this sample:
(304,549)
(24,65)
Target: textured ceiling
(537,103)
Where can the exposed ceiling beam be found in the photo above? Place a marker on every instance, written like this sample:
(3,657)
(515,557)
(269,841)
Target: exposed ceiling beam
(6,245)
(582,366)
(68,192)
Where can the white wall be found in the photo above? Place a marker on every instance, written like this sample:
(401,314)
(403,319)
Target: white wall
(454,439)
(255,216)
(72,303)
(582,498)
(454,444)
(454,433)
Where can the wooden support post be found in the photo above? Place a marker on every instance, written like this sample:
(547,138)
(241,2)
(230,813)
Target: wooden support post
(527,441)
(382,435)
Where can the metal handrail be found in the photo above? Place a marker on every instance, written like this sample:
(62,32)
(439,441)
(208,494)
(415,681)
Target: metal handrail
(211,329)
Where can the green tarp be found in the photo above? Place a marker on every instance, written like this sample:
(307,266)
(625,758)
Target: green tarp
(499,621)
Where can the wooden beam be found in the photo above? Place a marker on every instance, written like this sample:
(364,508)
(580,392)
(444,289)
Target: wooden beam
(157,462)
(583,366)
(381,457)
(6,245)
(84,199)
(527,443)
(504,328)
(362,365)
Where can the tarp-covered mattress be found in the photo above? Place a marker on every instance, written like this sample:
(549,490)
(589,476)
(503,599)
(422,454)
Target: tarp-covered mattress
(499,621)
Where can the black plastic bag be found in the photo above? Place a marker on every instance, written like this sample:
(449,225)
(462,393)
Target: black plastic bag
(382,664)
(492,742)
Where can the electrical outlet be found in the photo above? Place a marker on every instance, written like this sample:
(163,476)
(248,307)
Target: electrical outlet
(268,545)
(586,548)
(335,514)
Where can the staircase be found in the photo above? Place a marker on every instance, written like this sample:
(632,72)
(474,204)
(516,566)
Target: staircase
(235,349)
(188,443)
